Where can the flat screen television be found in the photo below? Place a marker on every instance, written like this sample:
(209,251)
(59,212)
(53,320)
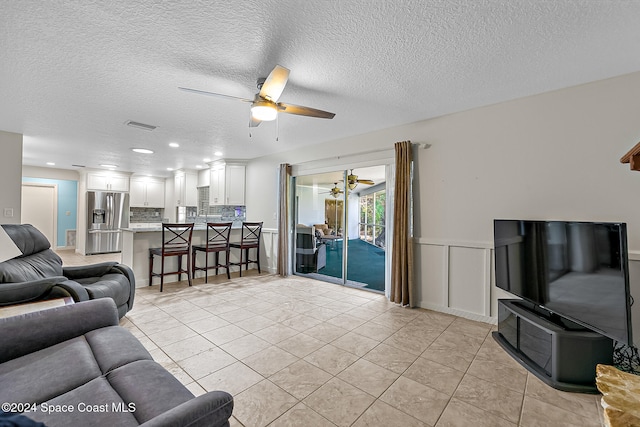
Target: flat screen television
(576,270)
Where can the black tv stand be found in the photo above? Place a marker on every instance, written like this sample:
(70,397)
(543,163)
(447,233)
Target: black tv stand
(561,353)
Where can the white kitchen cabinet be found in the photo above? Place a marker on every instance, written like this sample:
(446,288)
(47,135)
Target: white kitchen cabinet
(204,177)
(227,184)
(146,193)
(103,181)
(235,184)
(216,185)
(185,188)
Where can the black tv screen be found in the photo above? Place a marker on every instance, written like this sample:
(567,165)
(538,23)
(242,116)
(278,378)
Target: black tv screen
(577,270)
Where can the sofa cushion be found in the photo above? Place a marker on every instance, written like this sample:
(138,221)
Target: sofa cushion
(17,293)
(44,374)
(151,387)
(114,285)
(114,347)
(92,270)
(93,405)
(32,267)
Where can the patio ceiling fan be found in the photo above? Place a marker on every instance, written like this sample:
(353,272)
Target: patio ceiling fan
(353,181)
(335,191)
(265,105)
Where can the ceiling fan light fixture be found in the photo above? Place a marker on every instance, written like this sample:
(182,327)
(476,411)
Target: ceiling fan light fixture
(352,185)
(264,111)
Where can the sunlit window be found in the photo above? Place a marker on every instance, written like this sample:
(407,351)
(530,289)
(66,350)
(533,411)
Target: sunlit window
(372,218)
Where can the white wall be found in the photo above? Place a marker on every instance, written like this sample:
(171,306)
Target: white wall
(310,204)
(10,176)
(550,156)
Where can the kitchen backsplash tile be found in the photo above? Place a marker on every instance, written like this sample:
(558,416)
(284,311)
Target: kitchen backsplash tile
(215,213)
(146,214)
(224,213)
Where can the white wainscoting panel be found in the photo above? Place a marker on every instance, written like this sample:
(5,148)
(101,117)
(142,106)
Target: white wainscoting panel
(456,277)
(467,288)
(432,267)
(269,250)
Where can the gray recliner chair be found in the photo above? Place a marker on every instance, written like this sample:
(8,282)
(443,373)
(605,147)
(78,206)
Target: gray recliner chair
(38,274)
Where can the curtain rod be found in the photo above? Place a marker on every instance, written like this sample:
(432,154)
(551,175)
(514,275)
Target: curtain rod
(422,145)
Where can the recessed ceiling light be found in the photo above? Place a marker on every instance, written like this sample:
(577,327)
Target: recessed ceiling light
(51,163)
(198,166)
(174,145)
(109,166)
(218,153)
(169,169)
(206,159)
(142,150)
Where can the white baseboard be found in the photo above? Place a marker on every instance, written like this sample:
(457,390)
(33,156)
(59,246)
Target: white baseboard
(459,313)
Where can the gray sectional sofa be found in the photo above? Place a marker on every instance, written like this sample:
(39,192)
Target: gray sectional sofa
(74,366)
(38,274)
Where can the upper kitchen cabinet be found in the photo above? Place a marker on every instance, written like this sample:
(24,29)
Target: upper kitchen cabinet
(227,183)
(107,181)
(146,192)
(204,176)
(185,187)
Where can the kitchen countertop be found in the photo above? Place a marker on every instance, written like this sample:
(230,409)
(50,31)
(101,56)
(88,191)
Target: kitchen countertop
(152,228)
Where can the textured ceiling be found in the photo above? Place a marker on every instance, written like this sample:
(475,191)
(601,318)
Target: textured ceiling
(73,72)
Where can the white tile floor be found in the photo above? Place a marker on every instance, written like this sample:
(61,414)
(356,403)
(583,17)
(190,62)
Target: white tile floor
(298,352)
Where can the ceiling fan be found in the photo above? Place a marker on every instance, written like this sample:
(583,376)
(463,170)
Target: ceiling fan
(335,191)
(265,105)
(353,181)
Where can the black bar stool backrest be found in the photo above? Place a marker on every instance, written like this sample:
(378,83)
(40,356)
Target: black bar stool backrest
(176,237)
(251,233)
(218,235)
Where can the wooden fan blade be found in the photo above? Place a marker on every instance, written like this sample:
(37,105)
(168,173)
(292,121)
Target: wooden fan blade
(304,111)
(217,95)
(365,181)
(274,84)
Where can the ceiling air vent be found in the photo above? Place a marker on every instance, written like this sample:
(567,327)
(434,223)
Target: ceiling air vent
(140,125)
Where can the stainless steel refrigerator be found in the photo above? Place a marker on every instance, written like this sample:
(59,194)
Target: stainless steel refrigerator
(107,212)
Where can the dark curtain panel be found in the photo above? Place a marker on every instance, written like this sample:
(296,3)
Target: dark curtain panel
(402,283)
(283,220)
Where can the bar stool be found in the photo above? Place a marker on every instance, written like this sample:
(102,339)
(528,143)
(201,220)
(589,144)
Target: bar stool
(176,241)
(250,240)
(217,241)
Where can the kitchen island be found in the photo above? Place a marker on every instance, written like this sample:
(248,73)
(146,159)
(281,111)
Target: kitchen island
(136,242)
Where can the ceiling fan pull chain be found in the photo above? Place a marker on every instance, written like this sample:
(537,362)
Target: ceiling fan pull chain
(277,127)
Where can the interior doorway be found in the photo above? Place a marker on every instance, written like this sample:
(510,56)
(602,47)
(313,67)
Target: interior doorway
(340,220)
(39,208)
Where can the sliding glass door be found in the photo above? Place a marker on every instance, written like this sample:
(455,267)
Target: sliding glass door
(320,219)
(340,227)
